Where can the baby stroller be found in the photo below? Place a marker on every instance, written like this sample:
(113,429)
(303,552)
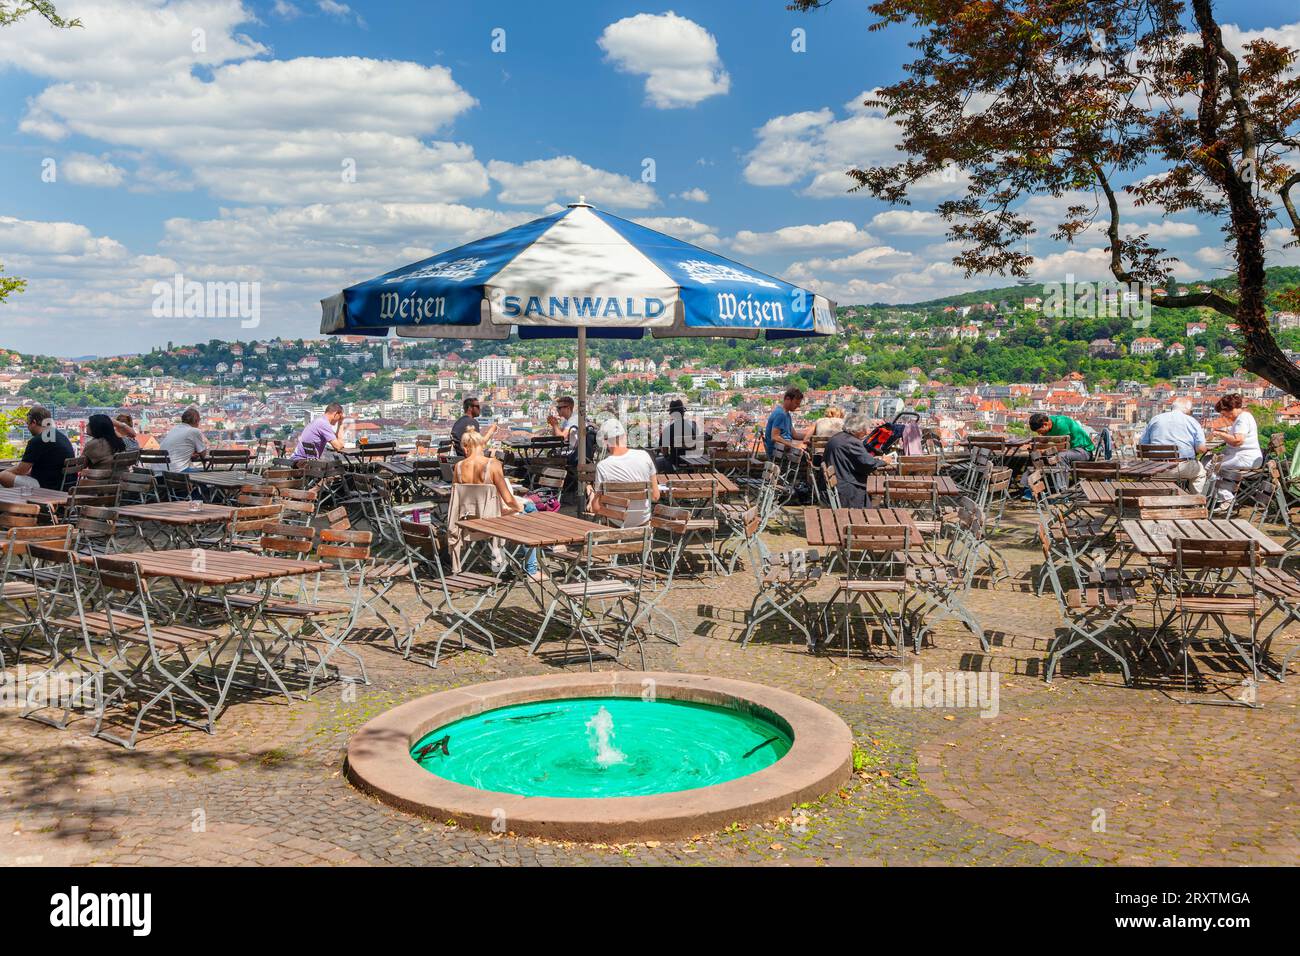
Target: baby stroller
(885,436)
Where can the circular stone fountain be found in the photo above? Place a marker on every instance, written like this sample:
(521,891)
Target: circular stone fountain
(603,757)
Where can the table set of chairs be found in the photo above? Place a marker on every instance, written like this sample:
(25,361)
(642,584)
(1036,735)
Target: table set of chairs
(1207,579)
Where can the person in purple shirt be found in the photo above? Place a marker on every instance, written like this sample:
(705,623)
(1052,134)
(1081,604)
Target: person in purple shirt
(321,433)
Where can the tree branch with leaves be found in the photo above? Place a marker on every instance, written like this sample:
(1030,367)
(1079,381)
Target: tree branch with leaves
(11,11)
(1084,98)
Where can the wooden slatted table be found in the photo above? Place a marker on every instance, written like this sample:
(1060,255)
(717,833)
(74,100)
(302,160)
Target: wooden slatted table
(1143,468)
(528,531)
(725,485)
(1154,539)
(180,521)
(231,478)
(222,484)
(1104,492)
(540,530)
(947,487)
(45,497)
(204,566)
(824,527)
(366,452)
(196,569)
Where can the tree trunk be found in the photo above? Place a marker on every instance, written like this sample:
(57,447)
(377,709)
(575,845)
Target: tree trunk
(1263,355)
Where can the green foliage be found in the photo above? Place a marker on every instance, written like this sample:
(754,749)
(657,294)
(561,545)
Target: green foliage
(11,11)
(376,389)
(15,423)
(10,285)
(57,392)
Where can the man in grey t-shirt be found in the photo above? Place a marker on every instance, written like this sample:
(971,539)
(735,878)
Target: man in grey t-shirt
(185,444)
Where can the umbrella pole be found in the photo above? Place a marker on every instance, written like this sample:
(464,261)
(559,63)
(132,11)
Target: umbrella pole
(582,399)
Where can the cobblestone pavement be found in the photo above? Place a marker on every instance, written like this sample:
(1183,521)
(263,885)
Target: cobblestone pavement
(1083,771)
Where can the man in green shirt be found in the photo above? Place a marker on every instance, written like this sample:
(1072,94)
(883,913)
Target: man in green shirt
(1080,449)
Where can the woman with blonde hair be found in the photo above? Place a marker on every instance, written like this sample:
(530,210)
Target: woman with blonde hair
(476,468)
(831,424)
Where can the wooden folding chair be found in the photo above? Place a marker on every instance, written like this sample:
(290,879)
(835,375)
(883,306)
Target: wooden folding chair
(139,487)
(918,465)
(919,495)
(699,497)
(227,459)
(1089,612)
(874,568)
(244,530)
(73,467)
(96,530)
(1158,452)
(177,485)
(155,459)
(299,504)
(168,655)
(438,593)
(18,586)
(598,603)
(784,580)
(1215,580)
(1171,507)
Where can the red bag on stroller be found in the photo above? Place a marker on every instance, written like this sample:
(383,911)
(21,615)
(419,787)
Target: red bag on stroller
(886,435)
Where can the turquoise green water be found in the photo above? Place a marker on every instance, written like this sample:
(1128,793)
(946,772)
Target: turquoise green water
(554,748)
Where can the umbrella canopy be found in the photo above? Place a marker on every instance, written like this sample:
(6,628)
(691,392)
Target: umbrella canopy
(581,268)
(578,272)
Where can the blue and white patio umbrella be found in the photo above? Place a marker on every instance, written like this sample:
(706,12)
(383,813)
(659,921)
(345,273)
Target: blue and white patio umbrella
(579,272)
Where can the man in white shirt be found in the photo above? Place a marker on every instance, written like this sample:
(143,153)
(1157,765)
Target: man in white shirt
(622,464)
(185,444)
(564,422)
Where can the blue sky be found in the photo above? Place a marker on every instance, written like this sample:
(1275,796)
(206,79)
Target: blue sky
(220,153)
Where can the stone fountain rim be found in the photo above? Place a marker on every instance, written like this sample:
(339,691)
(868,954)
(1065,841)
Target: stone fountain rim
(820,759)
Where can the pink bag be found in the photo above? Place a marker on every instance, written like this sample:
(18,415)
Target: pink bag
(545,500)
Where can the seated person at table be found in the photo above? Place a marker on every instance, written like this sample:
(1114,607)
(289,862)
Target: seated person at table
(1081,447)
(124,424)
(320,434)
(678,435)
(42,463)
(1240,436)
(184,443)
(853,464)
(104,442)
(476,468)
(564,424)
(831,424)
(622,464)
(779,429)
(471,407)
(1178,427)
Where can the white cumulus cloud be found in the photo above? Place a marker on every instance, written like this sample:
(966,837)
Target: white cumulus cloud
(684,228)
(840,234)
(564,179)
(86,170)
(677,56)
